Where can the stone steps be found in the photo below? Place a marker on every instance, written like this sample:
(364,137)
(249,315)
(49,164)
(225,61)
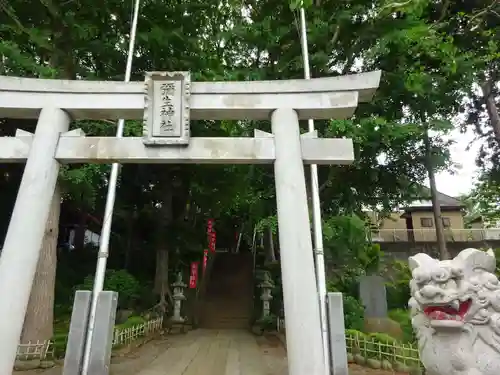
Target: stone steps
(226,323)
(228,300)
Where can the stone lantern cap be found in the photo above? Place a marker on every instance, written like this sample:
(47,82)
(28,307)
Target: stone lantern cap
(178,282)
(267,282)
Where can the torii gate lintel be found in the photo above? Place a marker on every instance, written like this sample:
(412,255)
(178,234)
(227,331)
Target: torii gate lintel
(317,98)
(74,147)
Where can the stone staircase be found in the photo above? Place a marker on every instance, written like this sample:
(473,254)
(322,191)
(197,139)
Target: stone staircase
(228,300)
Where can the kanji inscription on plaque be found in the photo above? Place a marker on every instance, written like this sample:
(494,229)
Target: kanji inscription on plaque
(166,112)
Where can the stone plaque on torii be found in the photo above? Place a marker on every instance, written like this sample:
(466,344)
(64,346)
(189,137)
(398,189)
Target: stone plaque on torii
(166,108)
(166,103)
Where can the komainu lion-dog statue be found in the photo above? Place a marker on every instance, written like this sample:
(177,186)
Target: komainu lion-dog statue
(456,313)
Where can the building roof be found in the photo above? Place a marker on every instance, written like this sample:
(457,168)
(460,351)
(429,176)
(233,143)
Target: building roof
(445,201)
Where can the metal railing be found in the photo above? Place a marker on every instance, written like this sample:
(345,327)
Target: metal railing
(202,288)
(429,235)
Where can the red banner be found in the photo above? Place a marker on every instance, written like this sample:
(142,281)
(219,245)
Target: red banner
(205,258)
(193,278)
(212,242)
(211,235)
(210,226)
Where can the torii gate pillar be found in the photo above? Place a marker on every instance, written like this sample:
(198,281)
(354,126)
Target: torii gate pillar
(300,293)
(23,241)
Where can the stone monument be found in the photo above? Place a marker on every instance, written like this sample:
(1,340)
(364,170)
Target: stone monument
(373,295)
(456,313)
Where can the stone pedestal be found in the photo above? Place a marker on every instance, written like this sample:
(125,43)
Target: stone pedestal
(338,350)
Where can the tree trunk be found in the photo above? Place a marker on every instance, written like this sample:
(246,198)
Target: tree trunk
(271,253)
(39,319)
(436,208)
(491,107)
(130,240)
(161,274)
(79,240)
(162,287)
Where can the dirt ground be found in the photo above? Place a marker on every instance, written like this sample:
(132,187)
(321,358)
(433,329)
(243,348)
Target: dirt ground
(131,362)
(275,355)
(359,370)
(278,340)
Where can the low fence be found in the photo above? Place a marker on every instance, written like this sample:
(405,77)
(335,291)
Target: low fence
(374,348)
(127,335)
(396,355)
(122,336)
(35,350)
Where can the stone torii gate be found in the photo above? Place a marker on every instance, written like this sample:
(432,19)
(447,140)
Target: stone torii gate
(167,102)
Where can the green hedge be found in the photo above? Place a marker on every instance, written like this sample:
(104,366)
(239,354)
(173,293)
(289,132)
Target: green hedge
(403,317)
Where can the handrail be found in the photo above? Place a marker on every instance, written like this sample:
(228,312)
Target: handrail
(201,291)
(254,255)
(429,235)
(254,249)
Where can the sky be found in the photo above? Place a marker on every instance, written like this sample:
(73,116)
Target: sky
(462,181)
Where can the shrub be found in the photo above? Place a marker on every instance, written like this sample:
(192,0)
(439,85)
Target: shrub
(386,347)
(127,286)
(355,334)
(353,310)
(403,317)
(398,287)
(268,323)
(355,338)
(131,322)
(383,338)
(353,313)
(60,341)
(398,295)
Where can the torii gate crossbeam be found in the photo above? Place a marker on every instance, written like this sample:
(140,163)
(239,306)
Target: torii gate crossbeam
(55,103)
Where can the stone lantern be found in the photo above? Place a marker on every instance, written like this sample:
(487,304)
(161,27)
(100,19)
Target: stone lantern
(266,297)
(178,297)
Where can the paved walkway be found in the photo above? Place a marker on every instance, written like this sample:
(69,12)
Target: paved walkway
(219,352)
(206,352)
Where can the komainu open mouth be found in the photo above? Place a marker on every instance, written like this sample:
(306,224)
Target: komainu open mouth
(454,310)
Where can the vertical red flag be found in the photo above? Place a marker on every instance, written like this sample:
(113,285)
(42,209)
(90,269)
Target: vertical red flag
(210,226)
(212,241)
(211,235)
(193,278)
